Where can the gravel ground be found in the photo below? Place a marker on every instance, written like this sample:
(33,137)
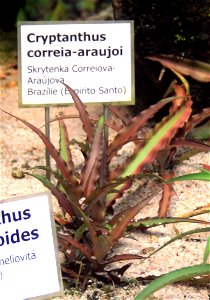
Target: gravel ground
(22,148)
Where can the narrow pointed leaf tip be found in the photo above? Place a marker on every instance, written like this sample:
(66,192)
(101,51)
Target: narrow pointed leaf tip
(84,116)
(198,70)
(194,176)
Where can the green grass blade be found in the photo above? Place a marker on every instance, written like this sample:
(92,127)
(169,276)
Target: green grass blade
(171,277)
(180,236)
(194,176)
(198,168)
(152,222)
(207,251)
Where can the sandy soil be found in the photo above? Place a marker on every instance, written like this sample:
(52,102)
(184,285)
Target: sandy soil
(21,148)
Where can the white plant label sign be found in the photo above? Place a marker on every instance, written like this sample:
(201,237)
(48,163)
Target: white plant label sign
(29,265)
(96,59)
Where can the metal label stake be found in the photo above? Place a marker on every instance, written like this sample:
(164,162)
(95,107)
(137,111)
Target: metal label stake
(47,133)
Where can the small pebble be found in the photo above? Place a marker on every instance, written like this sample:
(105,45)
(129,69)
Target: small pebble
(17,173)
(148,250)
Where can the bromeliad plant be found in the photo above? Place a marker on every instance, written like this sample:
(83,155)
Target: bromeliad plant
(87,229)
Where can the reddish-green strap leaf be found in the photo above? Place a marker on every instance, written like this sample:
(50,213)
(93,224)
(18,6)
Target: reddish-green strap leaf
(196,69)
(121,257)
(191,144)
(161,137)
(76,244)
(136,123)
(90,171)
(50,147)
(166,195)
(196,119)
(124,219)
(62,200)
(84,116)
